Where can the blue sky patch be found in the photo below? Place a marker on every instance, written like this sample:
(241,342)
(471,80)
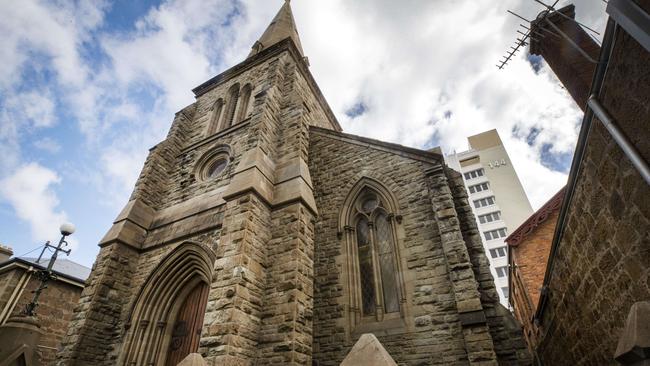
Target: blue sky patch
(356,110)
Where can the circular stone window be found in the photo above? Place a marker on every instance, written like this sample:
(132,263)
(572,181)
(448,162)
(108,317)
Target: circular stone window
(215,167)
(211,166)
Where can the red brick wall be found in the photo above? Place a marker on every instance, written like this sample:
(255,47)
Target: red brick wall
(530,258)
(573,69)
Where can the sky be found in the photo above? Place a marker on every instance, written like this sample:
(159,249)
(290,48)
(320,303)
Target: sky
(87,87)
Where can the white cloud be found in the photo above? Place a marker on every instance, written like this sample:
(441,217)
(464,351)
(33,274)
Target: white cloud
(424,69)
(30,191)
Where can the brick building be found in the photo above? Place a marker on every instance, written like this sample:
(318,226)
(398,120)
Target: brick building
(599,259)
(17,281)
(258,233)
(528,249)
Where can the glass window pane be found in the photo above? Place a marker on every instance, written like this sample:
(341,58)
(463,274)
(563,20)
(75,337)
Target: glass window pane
(387,264)
(366,272)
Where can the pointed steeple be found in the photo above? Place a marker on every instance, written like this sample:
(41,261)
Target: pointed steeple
(282,27)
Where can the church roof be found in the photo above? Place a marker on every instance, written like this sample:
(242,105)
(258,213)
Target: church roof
(282,27)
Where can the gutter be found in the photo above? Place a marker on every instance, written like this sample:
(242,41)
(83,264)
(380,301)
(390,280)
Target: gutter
(19,262)
(596,86)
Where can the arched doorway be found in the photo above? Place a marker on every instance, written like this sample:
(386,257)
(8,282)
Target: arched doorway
(165,321)
(186,331)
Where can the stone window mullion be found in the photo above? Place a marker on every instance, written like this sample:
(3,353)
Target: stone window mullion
(379,291)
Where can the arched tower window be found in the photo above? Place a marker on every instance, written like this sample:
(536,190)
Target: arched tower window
(368,220)
(244,101)
(233,98)
(215,116)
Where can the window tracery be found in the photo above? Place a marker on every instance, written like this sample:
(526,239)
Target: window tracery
(376,286)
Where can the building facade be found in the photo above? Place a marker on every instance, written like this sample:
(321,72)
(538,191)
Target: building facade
(528,250)
(258,233)
(18,280)
(593,308)
(497,198)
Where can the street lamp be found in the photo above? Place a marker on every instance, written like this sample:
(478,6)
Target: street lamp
(45,275)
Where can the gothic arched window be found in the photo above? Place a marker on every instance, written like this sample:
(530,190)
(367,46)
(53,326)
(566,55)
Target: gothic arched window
(244,101)
(371,235)
(233,98)
(215,116)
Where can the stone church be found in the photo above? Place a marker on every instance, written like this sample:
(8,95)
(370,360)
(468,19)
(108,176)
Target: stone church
(258,233)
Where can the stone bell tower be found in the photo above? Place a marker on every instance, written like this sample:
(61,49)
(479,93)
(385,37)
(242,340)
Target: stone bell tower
(215,247)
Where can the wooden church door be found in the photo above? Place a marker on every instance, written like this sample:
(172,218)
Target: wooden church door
(186,332)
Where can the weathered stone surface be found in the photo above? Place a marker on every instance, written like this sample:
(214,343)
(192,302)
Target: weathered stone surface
(279,291)
(602,264)
(368,351)
(193,359)
(634,345)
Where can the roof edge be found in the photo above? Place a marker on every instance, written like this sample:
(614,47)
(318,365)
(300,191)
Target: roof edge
(20,261)
(536,219)
(424,155)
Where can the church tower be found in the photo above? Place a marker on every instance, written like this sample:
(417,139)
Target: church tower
(258,233)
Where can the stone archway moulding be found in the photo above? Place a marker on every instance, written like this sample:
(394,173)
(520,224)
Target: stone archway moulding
(153,314)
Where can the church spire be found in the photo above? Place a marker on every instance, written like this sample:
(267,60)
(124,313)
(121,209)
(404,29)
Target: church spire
(283,26)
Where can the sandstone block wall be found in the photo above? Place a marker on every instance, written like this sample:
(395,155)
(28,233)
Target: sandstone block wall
(602,265)
(260,300)
(430,330)
(432,327)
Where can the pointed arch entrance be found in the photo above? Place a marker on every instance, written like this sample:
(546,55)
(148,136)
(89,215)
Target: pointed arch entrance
(167,316)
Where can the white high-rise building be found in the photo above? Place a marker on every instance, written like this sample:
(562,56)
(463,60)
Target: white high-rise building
(496,196)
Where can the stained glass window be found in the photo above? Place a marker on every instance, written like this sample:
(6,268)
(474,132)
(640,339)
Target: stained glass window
(365,267)
(386,263)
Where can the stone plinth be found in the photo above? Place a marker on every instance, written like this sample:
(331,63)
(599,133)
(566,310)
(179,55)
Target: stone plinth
(368,351)
(634,344)
(19,338)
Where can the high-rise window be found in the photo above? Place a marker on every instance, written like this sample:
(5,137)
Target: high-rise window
(506,292)
(484,202)
(502,271)
(495,234)
(478,187)
(498,252)
(474,174)
(492,216)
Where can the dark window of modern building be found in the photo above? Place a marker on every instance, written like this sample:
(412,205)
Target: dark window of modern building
(495,234)
(474,174)
(478,188)
(492,216)
(502,271)
(484,202)
(498,252)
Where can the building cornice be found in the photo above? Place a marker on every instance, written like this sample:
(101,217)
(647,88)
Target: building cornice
(536,219)
(417,154)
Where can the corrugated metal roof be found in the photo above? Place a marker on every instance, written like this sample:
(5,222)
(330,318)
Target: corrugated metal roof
(63,266)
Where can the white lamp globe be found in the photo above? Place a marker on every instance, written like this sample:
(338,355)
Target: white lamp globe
(67,229)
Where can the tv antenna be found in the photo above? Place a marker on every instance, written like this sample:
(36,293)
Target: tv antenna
(539,33)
